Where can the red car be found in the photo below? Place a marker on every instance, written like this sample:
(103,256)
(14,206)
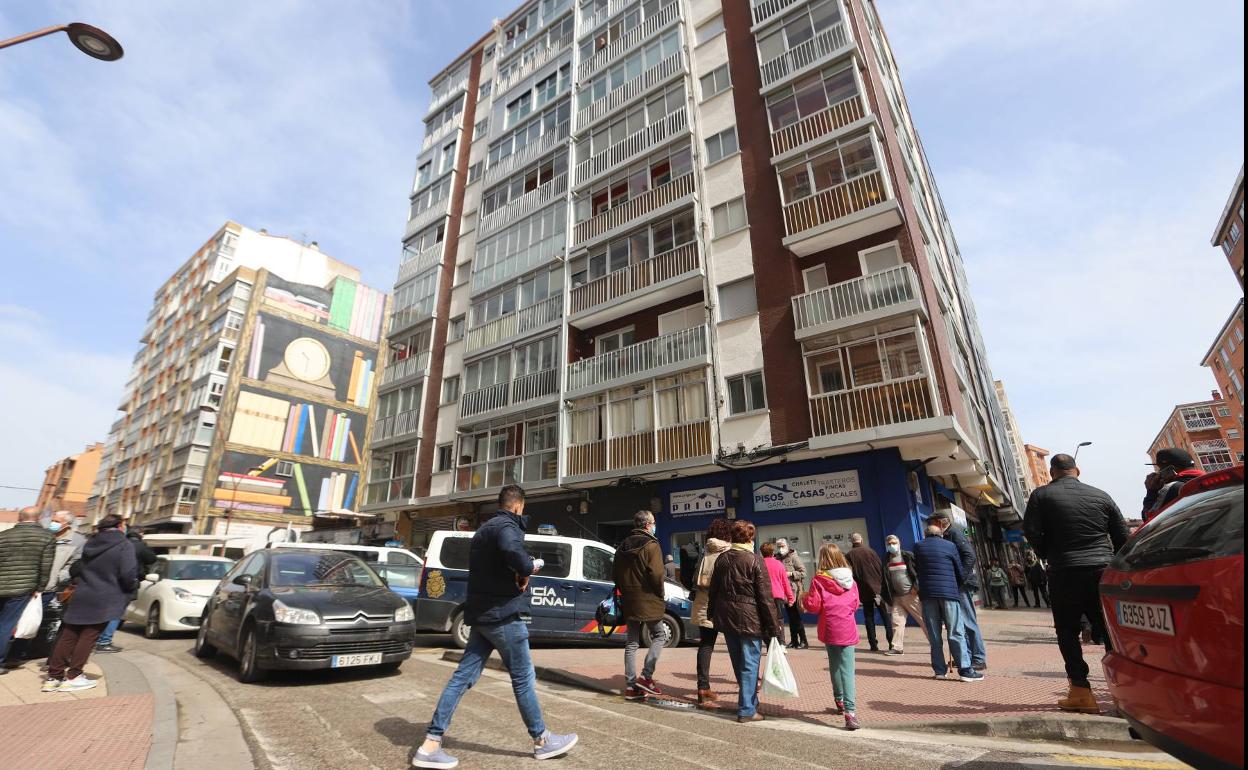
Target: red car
(1174,604)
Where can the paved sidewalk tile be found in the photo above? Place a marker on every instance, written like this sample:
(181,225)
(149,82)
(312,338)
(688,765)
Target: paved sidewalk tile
(21,685)
(110,732)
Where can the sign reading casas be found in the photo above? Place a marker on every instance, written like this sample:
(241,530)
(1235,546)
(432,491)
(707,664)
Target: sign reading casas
(695,502)
(807,491)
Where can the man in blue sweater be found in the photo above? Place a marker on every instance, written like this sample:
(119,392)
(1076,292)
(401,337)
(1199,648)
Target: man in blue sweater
(966,592)
(939,567)
(498,579)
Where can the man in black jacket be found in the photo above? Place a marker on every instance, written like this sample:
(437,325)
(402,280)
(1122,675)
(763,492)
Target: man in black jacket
(498,579)
(1076,528)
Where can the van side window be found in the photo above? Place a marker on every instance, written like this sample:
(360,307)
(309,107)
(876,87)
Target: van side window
(395,557)
(455,552)
(558,557)
(598,564)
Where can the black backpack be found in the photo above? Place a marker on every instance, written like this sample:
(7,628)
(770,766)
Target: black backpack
(610,615)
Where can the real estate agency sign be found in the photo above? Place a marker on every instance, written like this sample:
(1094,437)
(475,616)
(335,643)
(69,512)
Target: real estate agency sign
(807,491)
(696,502)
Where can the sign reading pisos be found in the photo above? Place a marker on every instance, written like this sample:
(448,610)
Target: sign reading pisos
(807,491)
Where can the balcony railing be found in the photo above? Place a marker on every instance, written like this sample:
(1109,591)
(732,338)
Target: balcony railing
(530,153)
(805,55)
(634,88)
(635,36)
(639,359)
(514,324)
(1200,423)
(425,218)
(835,203)
(409,316)
(669,444)
(528,67)
(768,9)
(590,23)
(404,368)
(820,124)
(841,303)
(640,206)
(397,425)
(441,132)
(416,263)
(613,286)
(873,406)
(631,146)
(518,391)
(442,96)
(524,205)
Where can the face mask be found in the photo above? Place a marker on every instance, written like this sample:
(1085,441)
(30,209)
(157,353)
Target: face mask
(893,547)
(54,526)
(652,529)
(782,551)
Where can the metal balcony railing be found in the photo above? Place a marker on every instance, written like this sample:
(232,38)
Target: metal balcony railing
(1200,423)
(590,24)
(423,219)
(845,301)
(410,316)
(873,406)
(415,263)
(514,324)
(822,123)
(518,391)
(769,9)
(835,202)
(636,208)
(442,96)
(397,425)
(632,146)
(600,372)
(805,55)
(530,153)
(667,444)
(528,67)
(404,368)
(441,132)
(612,286)
(523,206)
(630,40)
(634,88)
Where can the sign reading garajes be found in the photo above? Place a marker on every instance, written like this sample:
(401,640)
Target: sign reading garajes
(807,491)
(694,502)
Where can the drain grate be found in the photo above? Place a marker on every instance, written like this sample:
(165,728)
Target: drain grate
(668,703)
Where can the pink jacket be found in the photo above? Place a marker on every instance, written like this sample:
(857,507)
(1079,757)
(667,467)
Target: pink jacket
(834,600)
(780,587)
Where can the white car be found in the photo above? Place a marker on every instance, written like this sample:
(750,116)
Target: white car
(173,595)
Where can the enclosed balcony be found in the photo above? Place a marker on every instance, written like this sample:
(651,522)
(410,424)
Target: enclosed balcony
(531,152)
(527,320)
(397,427)
(664,354)
(409,317)
(661,72)
(763,11)
(859,301)
(524,205)
(647,283)
(525,391)
(630,40)
(633,146)
(405,369)
(824,47)
(820,106)
(416,262)
(871,407)
(532,62)
(666,196)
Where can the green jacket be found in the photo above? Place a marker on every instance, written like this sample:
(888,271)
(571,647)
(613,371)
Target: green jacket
(997,577)
(26,553)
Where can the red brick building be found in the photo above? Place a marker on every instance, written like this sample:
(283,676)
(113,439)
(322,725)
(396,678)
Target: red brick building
(1229,235)
(1207,430)
(1225,358)
(1037,465)
(67,482)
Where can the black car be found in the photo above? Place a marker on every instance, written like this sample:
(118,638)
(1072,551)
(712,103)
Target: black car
(305,609)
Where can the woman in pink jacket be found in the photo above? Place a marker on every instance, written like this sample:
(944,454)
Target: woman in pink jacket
(781,589)
(834,598)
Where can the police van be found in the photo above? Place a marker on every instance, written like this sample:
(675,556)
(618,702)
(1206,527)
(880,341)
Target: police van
(563,596)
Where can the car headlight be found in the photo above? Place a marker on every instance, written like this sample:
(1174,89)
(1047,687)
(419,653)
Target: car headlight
(285,614)
(404,614)
(183,595)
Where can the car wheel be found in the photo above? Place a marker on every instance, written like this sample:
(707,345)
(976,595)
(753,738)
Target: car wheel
(202,648)
(151,629)
(460,630)
(674,635)
(249,669)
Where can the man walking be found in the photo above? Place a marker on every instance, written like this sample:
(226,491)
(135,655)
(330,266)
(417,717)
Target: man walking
(966,592)
(1038,580)
(998,582)
(26,554)
(901,591)
(1018,584)
(869,575)
(796,572)
(68,545)
(939,567)
(498,578)
(639,578)
(1077,528)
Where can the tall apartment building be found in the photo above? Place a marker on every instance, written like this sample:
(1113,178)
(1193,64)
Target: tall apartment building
(1207,430)
(1014,436)
(673,255)
(1037,465)
(1229,234)
(67,482)
(249,402)
(1225,358)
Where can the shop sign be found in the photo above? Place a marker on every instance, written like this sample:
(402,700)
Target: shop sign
(696,502)
(807,491)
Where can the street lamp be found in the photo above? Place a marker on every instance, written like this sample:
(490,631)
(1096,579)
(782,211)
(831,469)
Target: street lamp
(1082,444)
(92,41)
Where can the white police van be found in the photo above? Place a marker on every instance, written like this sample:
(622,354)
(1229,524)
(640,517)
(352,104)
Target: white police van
(564,595)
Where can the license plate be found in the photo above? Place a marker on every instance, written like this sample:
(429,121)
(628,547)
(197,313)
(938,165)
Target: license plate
(363,659)
(1146,617)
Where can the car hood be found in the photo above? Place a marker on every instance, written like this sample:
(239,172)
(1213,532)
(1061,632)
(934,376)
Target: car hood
(341,601)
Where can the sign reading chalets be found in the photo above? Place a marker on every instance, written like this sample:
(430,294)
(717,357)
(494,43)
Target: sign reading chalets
(807,491)
(695,502)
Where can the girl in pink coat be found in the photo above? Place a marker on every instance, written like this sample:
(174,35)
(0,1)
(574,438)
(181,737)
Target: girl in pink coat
(834,598)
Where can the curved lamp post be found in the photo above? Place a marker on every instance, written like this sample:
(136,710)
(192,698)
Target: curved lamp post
(1082,444)
(92,41)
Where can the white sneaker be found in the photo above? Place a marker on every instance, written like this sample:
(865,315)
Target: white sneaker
(50,685)
(79,682)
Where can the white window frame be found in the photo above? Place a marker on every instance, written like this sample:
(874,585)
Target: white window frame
(744,377)
(811,271)
(450,456)
(620,332)
(727,207)
(719,139)
(862,255)
(458,388)
(700,309)
(715,80)
(701,38)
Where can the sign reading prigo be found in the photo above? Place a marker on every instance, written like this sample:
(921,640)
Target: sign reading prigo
(696,502)
(807,491)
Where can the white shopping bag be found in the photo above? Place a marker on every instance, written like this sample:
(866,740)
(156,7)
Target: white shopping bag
(778,679)
(28,623)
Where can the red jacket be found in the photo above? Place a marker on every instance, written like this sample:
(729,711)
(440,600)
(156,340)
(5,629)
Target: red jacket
(835,603)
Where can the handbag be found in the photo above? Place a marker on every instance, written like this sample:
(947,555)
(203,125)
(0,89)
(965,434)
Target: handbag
(609,613)
(778,679)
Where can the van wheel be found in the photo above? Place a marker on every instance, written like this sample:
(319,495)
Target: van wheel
(460,630)
(674,634)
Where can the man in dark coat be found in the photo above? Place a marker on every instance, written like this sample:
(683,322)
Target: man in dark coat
(146,559)
(869,576)
(498,578)
(26,554)
(939,567)
(1077,528)
(639,578)
(970,586)
(1174,468)
(107,574)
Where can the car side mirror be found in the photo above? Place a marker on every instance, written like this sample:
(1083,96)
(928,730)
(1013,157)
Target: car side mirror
(243,580)
(151,577)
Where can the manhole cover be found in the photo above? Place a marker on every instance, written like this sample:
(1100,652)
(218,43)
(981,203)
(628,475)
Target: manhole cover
(668,703)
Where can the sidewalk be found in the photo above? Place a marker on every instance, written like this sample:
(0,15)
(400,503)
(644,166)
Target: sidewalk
(1025,677)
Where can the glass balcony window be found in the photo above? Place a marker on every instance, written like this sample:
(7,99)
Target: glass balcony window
(524,182)
(522,294)
(635,248)
(799,28)
(529,133)
(810,95)
(815,173)
(636,180)
(628,69)
(519,248)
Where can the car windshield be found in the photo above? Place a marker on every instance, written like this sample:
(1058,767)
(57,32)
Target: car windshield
(320,570)
(198,570)
(399,575)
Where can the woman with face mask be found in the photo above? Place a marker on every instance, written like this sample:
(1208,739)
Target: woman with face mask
(796,572)
(900,591)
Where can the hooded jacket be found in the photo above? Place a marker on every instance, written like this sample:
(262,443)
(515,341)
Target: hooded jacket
(496,558)
(639,577)
(702,581)
(1073,525)
(106,575)
(740,596)
(833,597)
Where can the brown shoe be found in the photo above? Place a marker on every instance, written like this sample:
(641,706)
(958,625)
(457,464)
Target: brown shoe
(1079,699)
(707,700)
(756,717)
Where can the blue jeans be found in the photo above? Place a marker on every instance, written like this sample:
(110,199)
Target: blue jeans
(947,612)
(106,636)
(10,612)
(745,652)
(970,622)
(841,669)
(17,650)
(511,639)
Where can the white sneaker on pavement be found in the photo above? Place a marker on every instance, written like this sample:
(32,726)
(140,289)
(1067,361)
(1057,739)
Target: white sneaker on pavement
(79,682)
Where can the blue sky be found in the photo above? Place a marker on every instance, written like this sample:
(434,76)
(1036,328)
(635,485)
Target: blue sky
(1084,151)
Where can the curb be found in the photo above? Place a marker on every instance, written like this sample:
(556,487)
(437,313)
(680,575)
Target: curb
(1043,727)
(126,678)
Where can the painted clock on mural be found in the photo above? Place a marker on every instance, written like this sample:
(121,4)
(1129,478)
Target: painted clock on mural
(305,365)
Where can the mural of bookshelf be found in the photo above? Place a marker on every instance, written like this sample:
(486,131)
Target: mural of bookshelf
(250,482)
(271,422)
(346,306)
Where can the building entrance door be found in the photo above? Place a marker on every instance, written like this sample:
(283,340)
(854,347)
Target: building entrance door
(799,539)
